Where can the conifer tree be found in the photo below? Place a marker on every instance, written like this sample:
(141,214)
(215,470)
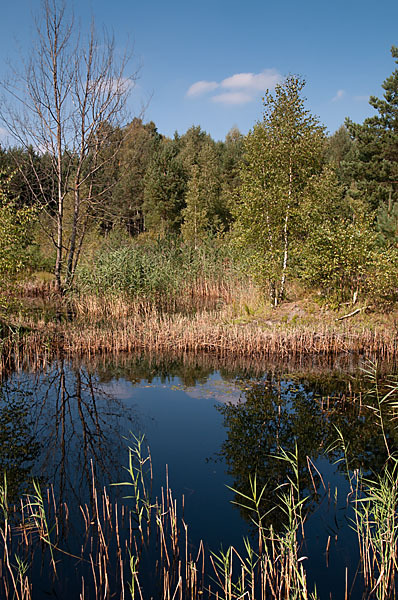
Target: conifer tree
(373,163)
(164,190)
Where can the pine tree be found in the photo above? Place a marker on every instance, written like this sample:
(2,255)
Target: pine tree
(164,191)
(373,163)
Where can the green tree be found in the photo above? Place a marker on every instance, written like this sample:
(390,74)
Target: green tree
(231,156)
(337,239)
(202,211)
(387,223)
(164,189)
(195,213)
(202,160)
(338,147)
(190,146)
(282,153)
(14,231)
(141,141)
(373,160)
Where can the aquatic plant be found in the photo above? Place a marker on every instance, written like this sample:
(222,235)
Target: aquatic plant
(140,547)
(376,521)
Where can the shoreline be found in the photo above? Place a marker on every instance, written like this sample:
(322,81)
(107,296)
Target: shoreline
(225,323)
(199,334)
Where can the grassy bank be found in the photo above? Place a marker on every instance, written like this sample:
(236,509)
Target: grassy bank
(215,317)
(164,297)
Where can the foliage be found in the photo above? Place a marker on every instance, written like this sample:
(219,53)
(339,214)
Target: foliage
(164,190)
(338,146)
(387,223)
(204,211)
(337,258)
(339,243)
(382,278)
(231,156)
(140,144)
(373,160)
(282,153)
(15,231)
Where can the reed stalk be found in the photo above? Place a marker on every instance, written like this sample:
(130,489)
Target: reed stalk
(115,548)
(376,521)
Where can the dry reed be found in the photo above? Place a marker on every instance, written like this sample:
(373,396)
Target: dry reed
(118,539)
(211,317)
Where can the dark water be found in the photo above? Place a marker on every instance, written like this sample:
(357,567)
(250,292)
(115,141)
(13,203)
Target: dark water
(214,425)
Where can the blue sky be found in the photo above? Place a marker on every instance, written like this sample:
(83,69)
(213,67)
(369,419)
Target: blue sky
(208,63)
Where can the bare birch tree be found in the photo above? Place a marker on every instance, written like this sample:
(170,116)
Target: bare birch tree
(66,103)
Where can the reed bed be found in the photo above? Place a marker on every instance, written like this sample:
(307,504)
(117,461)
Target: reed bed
(142,550)
(147,329)
(205,314)
(139,546)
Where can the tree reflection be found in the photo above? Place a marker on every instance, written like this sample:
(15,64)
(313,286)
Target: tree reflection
(273,414)
(19,447)
(164,368)
(71,426)
(276,413)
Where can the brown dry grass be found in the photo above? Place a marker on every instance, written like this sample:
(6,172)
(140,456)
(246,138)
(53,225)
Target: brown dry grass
(219,319)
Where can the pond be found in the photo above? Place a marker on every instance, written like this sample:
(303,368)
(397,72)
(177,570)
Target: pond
(212,429)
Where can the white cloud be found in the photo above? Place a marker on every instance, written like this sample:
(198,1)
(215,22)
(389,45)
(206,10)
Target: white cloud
(232,98)
(256,82)
(339,95)
(240,87)
(201,87)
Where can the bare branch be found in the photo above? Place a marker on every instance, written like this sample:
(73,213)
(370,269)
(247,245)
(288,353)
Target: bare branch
(66,104)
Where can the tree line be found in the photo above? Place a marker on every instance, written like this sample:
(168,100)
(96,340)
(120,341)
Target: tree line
(296,202)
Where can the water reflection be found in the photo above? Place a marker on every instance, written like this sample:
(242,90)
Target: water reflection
(315,414)
(19,446)
(60,425)
(56,421)
(69,421)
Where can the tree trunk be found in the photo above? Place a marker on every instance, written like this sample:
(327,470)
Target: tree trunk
(73,236)
(286,236)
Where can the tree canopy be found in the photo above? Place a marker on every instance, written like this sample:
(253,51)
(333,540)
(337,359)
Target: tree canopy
(282,153)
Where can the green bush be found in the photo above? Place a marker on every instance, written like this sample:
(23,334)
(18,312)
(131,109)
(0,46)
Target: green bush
(336,258)
(382,280)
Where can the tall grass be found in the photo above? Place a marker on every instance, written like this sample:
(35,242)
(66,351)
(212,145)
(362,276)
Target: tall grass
(375,499)
(376,521)
(276,565)
(159,272)
(102,327)
(118,538)
(167,297)
(376,511)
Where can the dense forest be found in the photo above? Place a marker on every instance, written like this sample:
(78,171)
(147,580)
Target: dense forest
(287,203)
